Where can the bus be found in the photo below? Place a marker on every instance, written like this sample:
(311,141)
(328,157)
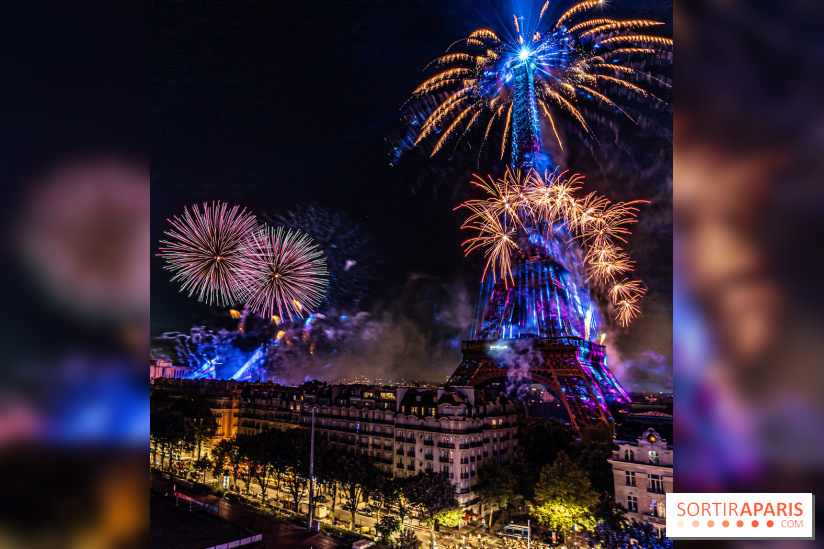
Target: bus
(515,531)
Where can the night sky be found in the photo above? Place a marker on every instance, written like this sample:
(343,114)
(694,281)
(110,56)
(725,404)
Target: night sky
(271,105)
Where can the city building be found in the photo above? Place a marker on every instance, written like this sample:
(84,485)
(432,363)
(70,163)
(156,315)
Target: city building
(165,369)
(222,396)
(642,469)
(406,430)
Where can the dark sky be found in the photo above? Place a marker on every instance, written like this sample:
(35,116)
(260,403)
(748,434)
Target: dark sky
(273,104)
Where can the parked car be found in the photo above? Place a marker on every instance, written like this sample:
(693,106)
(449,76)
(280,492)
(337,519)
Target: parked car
(366,512)
(321,498)
(346,506)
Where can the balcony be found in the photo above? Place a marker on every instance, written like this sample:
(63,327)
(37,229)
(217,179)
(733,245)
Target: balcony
(447,460)
(472,458)
(655,490)
(428,470)
(375,446)
(464,461)
(464,476)
(399,465)
(463,446)
(410,453)
(449,445)
(428,456)
(410,467)
(399,452)
(429,443)
(410,440)
(399,439)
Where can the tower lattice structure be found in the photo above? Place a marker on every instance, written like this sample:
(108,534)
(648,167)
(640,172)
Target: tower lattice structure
(539,326)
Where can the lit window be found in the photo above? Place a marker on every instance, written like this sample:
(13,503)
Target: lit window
(656,484)
(653,457)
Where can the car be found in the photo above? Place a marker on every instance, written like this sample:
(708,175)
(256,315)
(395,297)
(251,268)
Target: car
(365,511)
(321,498)
(346,506)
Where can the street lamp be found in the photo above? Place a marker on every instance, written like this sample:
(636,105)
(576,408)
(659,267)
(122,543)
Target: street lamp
(311,465)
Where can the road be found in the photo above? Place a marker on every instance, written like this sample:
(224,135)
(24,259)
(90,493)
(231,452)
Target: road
(443,539)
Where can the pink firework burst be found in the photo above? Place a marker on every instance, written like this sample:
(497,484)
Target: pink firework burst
(205,251)
(284,273)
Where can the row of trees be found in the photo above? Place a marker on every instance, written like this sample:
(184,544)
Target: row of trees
(280,459)
(180,425)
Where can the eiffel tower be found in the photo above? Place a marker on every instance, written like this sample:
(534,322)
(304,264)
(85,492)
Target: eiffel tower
(538,328)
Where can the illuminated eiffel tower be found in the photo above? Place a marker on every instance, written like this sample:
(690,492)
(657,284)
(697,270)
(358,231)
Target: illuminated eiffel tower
(538,328)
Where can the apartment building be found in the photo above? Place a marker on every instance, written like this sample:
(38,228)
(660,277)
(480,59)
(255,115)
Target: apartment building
(406,430)
(642,470)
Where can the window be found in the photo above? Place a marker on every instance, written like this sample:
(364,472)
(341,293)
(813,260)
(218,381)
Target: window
(630,478)
(653,457)
(656,484)
(632,504)
(657,509)
(629,455)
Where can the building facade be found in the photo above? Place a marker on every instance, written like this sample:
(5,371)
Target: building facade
(642,470)
(165,369)
(406,430)
(223,398)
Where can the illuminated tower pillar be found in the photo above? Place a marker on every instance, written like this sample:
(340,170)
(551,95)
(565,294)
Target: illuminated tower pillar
(526,132)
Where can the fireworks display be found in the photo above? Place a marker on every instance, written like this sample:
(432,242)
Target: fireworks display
(284,273)
(518,204)
(205,249)
(566,69)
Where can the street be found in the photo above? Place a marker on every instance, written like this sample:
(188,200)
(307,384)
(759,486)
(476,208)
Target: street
(447,537)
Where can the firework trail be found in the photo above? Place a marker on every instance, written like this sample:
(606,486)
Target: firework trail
(563,70)
(283,273)
(205,251)
(349,251)
(546,204)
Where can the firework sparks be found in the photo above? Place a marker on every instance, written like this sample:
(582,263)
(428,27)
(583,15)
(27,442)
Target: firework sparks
(575,67)
(205,250)
(284,273)
(516,202)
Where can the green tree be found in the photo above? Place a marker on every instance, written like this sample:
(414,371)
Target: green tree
(407,539)
(434,494)
(591,451)
(202,465)
(387,492)
(296,463)
(198,410)
(264,452)
(358,477)
(172,433)
(327,469)
(564,497)
(496,487)
(610,513)
(539,443)
(386,526)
